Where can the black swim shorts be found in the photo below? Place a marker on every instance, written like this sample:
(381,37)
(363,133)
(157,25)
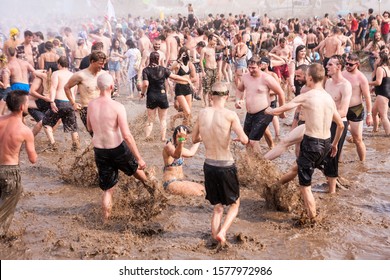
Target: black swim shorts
(256,124)
(356,113)
(221,184)
(311,155)
(65,113)
(109,161)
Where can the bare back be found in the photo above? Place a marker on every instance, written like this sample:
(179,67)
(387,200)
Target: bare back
(104,116)
(319,109)
(12,135)
(214,127)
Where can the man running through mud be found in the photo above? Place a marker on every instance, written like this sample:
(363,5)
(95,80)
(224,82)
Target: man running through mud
(114,146)
(320,111)
(213,128)
(13,133)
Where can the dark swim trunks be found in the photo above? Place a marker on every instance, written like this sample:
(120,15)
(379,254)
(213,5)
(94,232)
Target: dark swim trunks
(311,155)
(39,113)
(109,161)
(10,191)
(65,113)
(221,184)
(356,113)
(4,93)
(256,124)
(331,164)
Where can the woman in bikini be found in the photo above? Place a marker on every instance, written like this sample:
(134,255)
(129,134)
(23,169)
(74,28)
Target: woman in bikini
(381,82)
(183,90)
(173,156)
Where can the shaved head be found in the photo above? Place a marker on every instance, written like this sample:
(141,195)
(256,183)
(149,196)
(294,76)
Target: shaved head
(104,81)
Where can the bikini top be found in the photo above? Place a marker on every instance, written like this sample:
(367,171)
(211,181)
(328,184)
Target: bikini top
(181,71)
(176,162)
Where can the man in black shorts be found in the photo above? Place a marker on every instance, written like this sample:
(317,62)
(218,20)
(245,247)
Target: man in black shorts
(213,127)
(320,110)
(255,87)
(116,150)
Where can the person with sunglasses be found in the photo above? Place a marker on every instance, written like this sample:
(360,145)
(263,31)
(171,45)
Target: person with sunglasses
(360,91)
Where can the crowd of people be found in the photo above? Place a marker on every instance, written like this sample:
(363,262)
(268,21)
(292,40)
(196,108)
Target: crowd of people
(269,65)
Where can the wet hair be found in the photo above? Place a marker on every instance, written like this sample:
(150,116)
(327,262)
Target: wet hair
(15,99)
(201,44)
(40,35)
(28,33)
(11,51)
(96,56)
(317,72)
(384,59)
(298,49)
(353,57)
(97,46)
(340,59)
(154,58)
(303,67)
(63,61)
(49,45)
(181,51)
(130,43)
(176,131)
(255,59)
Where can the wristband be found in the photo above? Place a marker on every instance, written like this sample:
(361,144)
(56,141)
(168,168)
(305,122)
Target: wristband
(369,114)
(181,139)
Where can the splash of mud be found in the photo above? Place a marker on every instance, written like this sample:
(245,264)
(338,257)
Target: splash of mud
(134,201)
(254,172)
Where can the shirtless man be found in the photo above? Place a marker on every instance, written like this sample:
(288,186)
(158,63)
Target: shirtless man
(209,68)
(39,99)
(320,112)
(340,90)
(26,50)
(172,48)
(100,37)
(213,128)
(60,107)
(360,91)
(114,146)
(19,70)
(282,51)
(13,133)
(86,80)
(255,87)
(329,47)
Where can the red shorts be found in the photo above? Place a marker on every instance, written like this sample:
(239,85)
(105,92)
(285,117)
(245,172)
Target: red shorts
(282,71)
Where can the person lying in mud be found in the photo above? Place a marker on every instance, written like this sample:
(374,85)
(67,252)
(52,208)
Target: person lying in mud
(173,156)
(213,127)
(114,145)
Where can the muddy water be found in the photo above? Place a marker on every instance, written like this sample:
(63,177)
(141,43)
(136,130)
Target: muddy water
(59,220)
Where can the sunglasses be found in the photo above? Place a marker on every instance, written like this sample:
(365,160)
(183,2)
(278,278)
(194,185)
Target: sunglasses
(350,64)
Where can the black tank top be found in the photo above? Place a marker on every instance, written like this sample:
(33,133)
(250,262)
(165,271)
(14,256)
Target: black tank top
(384,88)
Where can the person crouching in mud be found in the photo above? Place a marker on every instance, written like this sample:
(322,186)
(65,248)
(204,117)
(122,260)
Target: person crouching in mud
(173,155)
(213,128)
(114,146)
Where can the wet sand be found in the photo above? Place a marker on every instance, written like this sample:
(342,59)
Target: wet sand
(56,219)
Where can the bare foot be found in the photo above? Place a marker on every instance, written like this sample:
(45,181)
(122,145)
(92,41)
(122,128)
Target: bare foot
(221,238)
